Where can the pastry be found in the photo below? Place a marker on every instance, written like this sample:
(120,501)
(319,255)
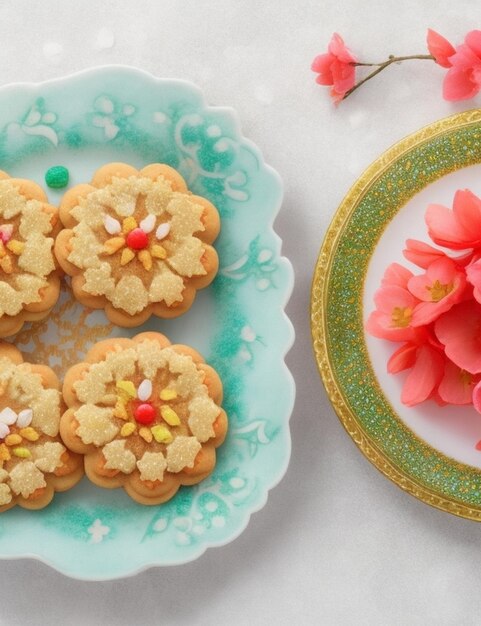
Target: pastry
(146,414)
(33,461)
(29,280)
(137,243)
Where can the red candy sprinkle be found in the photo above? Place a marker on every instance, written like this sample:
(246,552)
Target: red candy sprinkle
(144,414)
(137,239)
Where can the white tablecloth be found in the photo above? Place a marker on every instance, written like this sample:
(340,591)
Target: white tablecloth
(336,543)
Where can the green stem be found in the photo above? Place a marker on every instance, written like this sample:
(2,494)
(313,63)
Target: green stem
(382,66)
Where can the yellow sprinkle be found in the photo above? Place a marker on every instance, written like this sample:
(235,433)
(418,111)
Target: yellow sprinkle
(169,415)
(145,259)
(127,256)
(3,252)
(6,264)
(29,433)
(120,410)
(22,453)
(113,244)
(13,440)
(129,224)
(127,386)
(158,252)
(127,429)
(168,394)
(4,453)
(16,246)
(145,434)
(161,434)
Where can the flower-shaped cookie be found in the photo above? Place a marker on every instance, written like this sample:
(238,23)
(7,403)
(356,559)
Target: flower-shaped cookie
(146,414)
(137,243)
(29,280)
(33,461)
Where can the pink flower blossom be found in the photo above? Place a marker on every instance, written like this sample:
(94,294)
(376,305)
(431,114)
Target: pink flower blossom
(426,362)
(459,330)
(473,275)
(457,385)
(394,306)
(440,288)
(463,80)
(336,68)
(440,48)
(459,228)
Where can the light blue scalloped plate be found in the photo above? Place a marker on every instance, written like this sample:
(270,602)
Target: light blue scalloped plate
(238,323)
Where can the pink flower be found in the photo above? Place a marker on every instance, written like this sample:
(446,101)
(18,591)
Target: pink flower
(463,80)
(440,48)
(473,274)
(459,330)
(457,385)
(427,363)
(457,229)
(394,306)
(336,68)
(440,288)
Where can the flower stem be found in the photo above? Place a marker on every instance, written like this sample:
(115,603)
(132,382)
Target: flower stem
(382,66)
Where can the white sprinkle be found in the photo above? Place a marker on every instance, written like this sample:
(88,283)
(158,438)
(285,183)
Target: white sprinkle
(4,430)
(145,390)
(148,224)
(162,231)
(112,226)
(24,418)
(7,416)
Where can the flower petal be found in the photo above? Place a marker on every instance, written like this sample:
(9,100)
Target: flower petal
(402,359)
(421,254)
(456,386)
(338,48)
(458,84)
(440,48)
(473,41)
(424,376)
(459,331)
(444,228)
(477,399)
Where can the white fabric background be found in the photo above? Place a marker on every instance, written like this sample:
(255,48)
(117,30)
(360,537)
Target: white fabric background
(336,543)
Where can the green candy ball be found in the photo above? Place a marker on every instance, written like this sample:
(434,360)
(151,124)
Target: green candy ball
(57,177)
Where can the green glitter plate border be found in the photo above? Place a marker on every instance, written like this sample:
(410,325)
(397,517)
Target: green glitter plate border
(337,313)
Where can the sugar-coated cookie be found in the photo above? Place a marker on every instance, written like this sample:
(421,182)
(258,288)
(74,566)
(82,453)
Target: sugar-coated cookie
(33,461)
(146,414)
(137,243)
(29,280)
